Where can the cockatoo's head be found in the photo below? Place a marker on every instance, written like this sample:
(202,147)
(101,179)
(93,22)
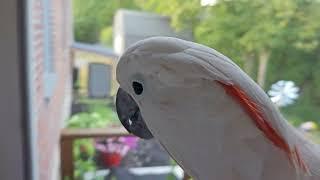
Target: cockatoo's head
(144,75)
(151,74)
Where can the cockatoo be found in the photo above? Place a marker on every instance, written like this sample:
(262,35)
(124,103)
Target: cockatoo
(212,118)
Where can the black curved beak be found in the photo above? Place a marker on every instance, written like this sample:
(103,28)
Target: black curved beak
(130,116)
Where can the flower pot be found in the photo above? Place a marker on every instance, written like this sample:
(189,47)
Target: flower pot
(111,160)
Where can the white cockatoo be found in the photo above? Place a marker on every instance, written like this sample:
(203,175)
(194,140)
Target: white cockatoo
(213,119)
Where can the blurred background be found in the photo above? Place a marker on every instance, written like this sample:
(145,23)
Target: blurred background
(63,79)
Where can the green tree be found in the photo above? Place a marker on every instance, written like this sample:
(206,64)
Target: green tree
(183,14)
(271,40)
(93,19)
(253,29)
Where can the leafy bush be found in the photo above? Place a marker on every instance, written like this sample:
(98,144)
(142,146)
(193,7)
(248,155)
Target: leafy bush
(99,115)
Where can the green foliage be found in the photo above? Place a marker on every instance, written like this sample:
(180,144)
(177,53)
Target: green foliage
(183,14)
(88,19)
(99,115)
(286,31)
(82,164)
(250,26)
(91,17)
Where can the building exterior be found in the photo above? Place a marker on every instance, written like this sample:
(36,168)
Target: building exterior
(36,79)
(95,67)
(49,81)
(132,26)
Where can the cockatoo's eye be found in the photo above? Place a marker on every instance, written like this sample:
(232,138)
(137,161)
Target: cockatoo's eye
(137,87)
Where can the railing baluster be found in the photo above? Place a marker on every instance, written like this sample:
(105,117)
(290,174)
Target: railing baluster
(67,166)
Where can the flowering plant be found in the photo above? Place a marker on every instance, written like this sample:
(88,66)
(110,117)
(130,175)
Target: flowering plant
(283,93)
(113,150)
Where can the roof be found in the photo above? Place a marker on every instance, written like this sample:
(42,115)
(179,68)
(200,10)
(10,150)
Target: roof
(94,48)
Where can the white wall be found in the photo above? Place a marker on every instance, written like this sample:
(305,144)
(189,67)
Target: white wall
(131,26)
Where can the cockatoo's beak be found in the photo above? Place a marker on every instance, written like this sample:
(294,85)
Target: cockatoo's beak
(130,116)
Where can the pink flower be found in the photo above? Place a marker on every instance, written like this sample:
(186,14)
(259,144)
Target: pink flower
(129,141)
(120,145)
(114,149)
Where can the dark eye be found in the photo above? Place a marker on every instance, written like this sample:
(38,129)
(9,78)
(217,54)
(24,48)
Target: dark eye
(137,87)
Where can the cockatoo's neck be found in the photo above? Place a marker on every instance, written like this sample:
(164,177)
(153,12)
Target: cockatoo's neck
(236,143)
(286,138)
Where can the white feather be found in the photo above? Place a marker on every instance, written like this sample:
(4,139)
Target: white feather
(202,127)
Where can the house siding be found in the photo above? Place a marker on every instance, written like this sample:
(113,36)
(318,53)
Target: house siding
(50,54)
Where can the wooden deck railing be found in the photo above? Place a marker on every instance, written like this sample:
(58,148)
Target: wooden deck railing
(68,136)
